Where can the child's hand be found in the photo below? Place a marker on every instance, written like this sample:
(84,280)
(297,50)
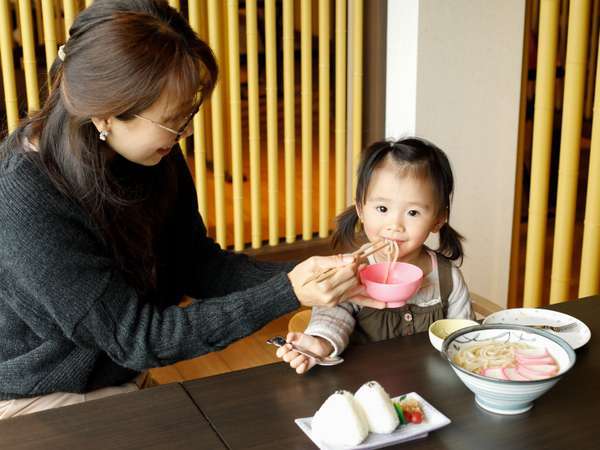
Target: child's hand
(303,363)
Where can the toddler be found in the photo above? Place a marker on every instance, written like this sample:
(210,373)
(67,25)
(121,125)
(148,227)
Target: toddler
(403,193)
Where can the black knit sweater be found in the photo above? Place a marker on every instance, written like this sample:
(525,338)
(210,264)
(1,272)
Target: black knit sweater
(69,322)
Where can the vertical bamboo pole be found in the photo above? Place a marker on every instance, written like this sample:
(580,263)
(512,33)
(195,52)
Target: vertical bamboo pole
(324,117)
(271,91)
(562,50)
(60,21)
(207,122)
(8,67)
(541,151)
(589,280)
(216,104)
(199,128)
(289,131)
(306,107)
(569,149)
(593,55)
(253,122)
(17,22)
(535,13)
(49,34)
(182,142)
(39,29)
(235,106)
(29,62)
(225,79)
(340,105)
(357,80)
(70,10)
(515,252)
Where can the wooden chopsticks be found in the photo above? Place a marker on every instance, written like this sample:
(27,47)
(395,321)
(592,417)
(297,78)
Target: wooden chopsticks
(359,254)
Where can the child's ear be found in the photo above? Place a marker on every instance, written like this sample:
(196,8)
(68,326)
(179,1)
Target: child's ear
(359,212)
(440,223)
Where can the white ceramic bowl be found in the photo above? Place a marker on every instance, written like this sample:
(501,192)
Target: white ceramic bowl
(441,329)
(507,396)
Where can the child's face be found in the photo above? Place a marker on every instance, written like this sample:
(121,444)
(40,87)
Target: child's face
(400,207)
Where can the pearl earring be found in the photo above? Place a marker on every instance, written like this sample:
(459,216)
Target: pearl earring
(103,134)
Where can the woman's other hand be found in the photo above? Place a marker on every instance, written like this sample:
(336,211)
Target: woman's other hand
(358,295)
(330,291)
(302,363)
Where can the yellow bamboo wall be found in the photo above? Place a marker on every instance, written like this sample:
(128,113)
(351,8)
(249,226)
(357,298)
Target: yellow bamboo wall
(262,166)
(251,191)
(562,259)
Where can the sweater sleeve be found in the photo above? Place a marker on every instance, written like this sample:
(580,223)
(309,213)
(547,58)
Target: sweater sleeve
(64,285)
(333,324)
(138,336)
(216,272)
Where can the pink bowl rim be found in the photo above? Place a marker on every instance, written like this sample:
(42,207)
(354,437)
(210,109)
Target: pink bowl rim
(420,272)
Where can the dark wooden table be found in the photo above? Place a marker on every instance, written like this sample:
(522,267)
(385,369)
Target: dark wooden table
(159,418)
(256,408)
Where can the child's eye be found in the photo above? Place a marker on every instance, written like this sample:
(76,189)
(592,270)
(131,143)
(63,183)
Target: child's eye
(381,209)
(413,213)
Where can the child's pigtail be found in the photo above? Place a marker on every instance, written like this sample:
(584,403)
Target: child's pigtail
(345,231)
(450,243)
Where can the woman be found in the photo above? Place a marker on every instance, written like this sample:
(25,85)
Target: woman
(101,237)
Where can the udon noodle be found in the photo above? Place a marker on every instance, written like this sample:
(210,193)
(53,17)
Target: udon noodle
(391,247)
(479,357)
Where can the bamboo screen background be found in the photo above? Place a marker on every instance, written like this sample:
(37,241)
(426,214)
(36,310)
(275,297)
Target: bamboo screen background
(250,190)
(284,125)
(557,211)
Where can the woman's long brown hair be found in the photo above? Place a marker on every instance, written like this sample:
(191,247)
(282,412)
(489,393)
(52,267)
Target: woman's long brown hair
(120,57)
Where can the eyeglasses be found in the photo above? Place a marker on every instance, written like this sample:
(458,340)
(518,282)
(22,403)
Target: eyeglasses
(177,133)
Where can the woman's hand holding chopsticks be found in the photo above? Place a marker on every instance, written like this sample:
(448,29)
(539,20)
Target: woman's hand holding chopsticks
(327,281)
(328,292)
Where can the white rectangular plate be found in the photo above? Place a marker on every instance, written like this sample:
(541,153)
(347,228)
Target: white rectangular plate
(433,420)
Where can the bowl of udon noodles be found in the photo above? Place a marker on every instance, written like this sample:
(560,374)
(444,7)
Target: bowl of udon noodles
(507,367)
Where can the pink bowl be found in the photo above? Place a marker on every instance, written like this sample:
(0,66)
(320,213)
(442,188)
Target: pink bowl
(403,282)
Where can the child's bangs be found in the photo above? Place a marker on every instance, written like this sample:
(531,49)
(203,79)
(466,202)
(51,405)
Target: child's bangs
(419,170)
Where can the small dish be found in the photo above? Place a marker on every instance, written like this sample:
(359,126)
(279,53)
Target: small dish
(575,336)
(411,431)
(441,329)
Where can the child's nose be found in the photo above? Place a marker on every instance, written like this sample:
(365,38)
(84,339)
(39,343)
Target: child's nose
(396,227)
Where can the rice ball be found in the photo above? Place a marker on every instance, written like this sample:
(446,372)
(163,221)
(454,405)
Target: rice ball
(340,421)
(377,408)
